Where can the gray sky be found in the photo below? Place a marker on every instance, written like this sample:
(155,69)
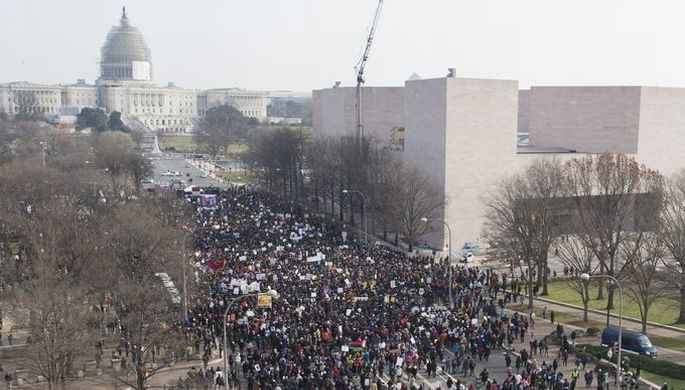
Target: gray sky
(309,44)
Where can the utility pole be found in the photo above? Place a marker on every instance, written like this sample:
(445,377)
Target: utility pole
(44,145)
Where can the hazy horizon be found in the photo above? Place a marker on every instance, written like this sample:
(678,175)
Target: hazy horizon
(302,45)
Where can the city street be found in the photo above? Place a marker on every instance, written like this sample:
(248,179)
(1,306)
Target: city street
(189,174)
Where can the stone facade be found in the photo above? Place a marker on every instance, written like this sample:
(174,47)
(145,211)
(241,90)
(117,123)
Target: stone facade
(462,132)
(335,111)
(585,119)
(80,95)
(249,103)
(661,143)
(28,98)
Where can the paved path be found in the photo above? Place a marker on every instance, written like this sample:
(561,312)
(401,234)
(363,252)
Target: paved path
(598,316)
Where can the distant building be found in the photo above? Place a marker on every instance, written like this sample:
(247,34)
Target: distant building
(469,133)
(249,103)
(126,85)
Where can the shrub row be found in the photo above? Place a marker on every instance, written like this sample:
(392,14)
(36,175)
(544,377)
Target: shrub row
(655,366)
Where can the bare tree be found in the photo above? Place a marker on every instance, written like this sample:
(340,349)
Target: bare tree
(70,153)
(279,157)
(385,172)
(220,126)
(523,216)
(642,276)
(606,190)
(575,255)
(419,198)
(118,154)
(673,233)
(58,315)
(139,250)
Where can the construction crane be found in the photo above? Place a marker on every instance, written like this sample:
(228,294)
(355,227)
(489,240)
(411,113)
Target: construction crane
(360,75)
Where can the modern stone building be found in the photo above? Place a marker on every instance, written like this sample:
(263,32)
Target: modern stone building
(126,85)
(463,132)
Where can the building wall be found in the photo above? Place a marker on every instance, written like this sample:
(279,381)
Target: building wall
(170,110)
(5,99)
(335,114)
(586,119)
(425,129)
(31,98)
(424,139)
(80,96)
(661,143)
(462,133)
(524,111)
(328,113)
(482,121)
(249,103)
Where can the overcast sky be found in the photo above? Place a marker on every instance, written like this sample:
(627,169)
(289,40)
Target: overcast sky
(309,44)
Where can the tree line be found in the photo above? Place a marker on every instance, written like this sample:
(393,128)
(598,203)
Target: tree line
(96,119)
(81,247)
(326,175)
(597,214)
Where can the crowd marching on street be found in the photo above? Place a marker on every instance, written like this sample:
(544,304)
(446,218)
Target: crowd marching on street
(350,315)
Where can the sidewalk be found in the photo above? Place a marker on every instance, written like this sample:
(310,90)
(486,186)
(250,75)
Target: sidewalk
(628,324)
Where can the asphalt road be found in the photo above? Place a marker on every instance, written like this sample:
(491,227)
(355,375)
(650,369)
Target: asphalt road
(189,174)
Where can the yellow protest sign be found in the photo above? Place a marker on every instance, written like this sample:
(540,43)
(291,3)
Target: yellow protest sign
(264,301)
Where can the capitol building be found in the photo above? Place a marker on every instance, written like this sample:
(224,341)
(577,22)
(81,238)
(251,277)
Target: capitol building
(126,85)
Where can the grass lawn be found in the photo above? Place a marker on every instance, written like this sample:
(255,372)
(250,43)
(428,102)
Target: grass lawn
(238,177)
(565,318)
(660,379)
(187,144)
(180,143)
(663,310)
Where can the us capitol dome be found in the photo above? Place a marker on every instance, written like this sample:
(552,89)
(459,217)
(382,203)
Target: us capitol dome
(125,55)
(125,85)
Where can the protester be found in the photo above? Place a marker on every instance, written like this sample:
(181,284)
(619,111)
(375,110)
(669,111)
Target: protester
(349,314)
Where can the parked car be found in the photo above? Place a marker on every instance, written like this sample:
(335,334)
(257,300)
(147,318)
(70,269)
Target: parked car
(467,257)
(634,342)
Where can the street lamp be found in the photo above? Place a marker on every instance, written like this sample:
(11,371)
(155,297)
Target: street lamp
(45,146)
(585,277)
(449,260)
(366,238)
(185,280)
(271,293)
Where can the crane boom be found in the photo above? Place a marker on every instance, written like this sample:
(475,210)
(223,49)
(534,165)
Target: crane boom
(360,74)
(369,40)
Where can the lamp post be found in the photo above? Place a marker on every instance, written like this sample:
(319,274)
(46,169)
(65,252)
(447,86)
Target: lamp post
(183,267)
(271,293)
(449,260)
(366,238)
(586,277)
(44,146)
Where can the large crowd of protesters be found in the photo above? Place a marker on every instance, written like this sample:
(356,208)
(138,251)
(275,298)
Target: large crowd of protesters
(350,315)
